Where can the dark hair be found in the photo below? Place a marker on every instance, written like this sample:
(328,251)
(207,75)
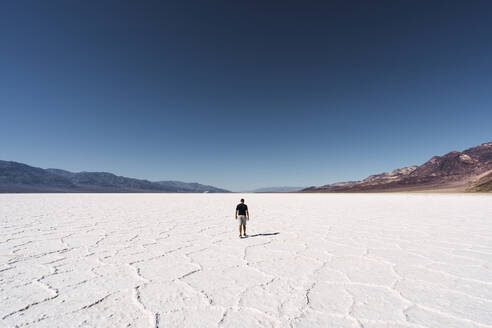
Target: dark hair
(242,200)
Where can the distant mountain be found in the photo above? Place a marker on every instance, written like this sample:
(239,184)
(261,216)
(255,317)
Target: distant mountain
(18,177)
(190,187)
(277,189)
(483,184)
(470,170)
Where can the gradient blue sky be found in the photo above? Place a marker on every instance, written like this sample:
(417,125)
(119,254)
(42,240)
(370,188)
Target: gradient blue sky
(243,94)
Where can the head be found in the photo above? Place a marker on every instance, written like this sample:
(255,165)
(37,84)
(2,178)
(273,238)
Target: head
(242,201)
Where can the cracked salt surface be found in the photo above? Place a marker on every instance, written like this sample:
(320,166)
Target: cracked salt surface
(314,260)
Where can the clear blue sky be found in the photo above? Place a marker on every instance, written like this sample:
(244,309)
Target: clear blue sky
(243,94)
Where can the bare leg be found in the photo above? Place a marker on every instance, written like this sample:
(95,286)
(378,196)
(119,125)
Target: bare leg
(244,229)
(240,230)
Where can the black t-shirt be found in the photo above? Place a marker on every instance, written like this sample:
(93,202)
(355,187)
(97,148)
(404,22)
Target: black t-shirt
(242,208)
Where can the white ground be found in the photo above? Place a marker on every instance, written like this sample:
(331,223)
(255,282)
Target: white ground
(174,260)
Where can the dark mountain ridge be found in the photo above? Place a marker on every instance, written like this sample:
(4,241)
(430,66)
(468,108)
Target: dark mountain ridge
(470,170)
(18,177)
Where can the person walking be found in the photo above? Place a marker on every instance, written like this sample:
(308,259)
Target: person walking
(243,215)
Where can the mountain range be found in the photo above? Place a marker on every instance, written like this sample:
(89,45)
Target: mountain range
(470,170)
(277,189)
(21,178)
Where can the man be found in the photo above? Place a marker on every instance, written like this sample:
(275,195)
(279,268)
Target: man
(243,215)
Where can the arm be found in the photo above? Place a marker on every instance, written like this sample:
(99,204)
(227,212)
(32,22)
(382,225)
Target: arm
(247,215)
(235,213)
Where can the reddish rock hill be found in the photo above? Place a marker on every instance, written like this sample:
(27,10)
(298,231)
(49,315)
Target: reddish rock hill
(470,170)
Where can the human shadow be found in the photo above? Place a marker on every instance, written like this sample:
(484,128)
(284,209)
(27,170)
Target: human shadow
(264,234)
